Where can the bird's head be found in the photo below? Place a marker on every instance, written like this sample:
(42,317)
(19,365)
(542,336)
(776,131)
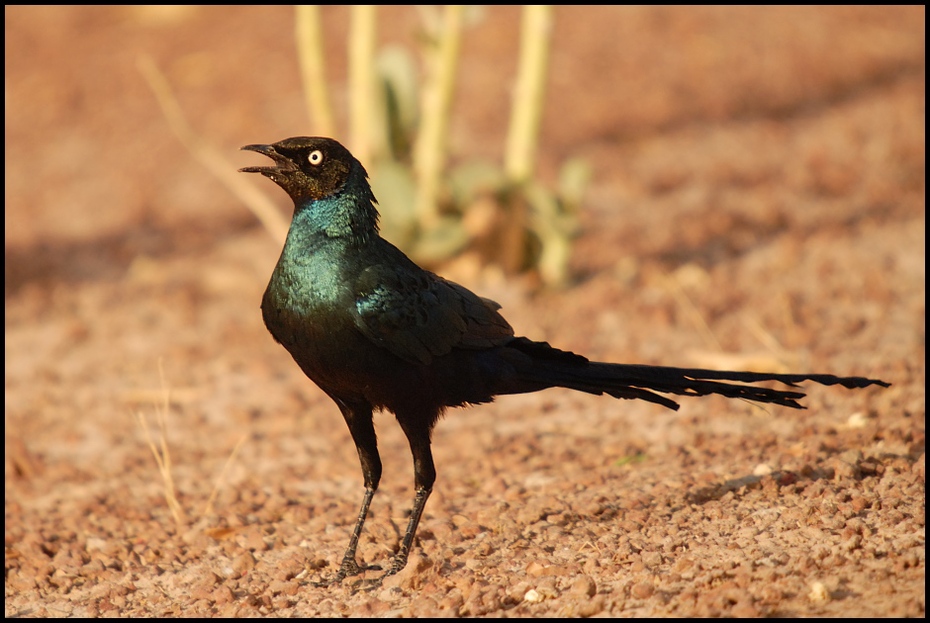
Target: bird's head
(307,167)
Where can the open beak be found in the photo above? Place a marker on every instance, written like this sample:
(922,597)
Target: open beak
(282,164)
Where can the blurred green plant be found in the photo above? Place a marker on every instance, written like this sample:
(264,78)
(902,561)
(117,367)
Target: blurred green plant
(398,126)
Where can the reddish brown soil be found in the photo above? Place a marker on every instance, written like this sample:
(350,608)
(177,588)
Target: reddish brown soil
(758,200)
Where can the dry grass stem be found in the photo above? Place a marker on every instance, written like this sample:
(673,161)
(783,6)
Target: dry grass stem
(255,200)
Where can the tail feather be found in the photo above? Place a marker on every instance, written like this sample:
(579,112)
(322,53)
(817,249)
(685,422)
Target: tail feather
(555,368)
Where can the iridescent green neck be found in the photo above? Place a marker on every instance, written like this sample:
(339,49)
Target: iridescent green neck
(349,214)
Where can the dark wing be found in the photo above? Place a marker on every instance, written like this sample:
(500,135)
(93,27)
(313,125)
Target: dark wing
(418,315)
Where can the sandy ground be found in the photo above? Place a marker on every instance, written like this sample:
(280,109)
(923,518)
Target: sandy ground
(758,201)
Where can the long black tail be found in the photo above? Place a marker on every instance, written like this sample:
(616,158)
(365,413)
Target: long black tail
(556,368)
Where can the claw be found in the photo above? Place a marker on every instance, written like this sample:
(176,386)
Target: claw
(349,568)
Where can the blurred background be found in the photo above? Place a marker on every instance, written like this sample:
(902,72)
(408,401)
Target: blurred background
(750,193)
(93,161)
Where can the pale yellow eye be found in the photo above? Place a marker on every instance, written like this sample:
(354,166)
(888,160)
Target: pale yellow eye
(315,158)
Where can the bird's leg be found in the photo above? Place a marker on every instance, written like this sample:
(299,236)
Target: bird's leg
(400,560)
(350,566)
(424,477)
(358,418)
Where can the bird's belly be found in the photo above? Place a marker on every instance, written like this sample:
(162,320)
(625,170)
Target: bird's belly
(337,357)
(345,363)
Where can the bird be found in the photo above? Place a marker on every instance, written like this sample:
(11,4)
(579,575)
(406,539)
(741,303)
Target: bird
(377,332)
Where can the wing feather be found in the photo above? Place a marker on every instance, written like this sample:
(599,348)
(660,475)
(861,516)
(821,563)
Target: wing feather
(418,315)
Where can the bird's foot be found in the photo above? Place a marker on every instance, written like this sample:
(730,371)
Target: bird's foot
(371,584)
(348,569)
(399,562)
(368,585)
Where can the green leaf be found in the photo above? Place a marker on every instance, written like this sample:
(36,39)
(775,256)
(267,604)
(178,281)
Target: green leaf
(469,181)
(398,73)
(394,187)
(574,178)
(441,242)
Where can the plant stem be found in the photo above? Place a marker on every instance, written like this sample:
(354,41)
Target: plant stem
(310,55)
(429,153)
(362,81)
(258,202)
(529,91)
